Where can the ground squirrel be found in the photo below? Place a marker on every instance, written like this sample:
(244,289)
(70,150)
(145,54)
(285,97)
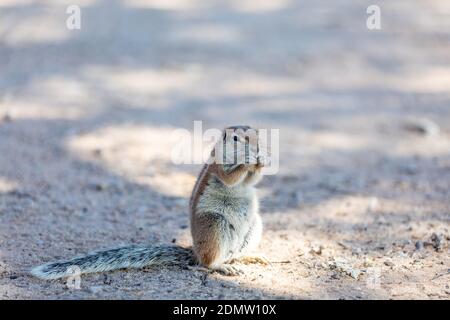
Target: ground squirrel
(225,222)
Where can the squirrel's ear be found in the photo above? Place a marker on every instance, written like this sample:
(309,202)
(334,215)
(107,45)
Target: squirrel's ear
(228,130)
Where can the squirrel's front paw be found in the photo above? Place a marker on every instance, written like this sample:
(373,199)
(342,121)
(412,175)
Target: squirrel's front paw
(262,161)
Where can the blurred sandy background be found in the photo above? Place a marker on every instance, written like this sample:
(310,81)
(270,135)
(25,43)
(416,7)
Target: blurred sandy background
(86,117)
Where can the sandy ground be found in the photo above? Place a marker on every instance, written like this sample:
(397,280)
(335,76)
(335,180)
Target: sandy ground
(360,208)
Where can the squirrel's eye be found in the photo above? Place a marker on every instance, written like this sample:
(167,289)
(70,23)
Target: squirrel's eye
(235,138)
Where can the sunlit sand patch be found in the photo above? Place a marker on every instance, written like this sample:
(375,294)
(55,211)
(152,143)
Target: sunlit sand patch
(34,110)
(51,98)
(140,153)
(165,4)
(282,249)
(177,184)
(8,291)
(442,6)
(349,210)
(139,144)
(7,185)
(338,140)
(20,3)
(255,6)
(429,81)
(426,147)
(267,278)
(247,84)
(142,81)
(392,145)
(56,3)
(61,89)
(46,25)
(355,72)
(207,33)
(43,28)
(192,81)
(131,149)
(10,3)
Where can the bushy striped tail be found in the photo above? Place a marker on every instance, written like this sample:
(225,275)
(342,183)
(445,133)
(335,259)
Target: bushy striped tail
(134,256)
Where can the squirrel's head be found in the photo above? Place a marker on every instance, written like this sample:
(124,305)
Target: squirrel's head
(240,135)
(239,142)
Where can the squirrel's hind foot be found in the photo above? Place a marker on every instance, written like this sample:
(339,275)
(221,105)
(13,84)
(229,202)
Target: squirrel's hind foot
(227,270)
(251,260)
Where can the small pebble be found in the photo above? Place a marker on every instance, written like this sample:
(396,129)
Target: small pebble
(99,187)
(317,249)
(107,280)
(409,169)
(437,241)
(423,126)
(335,275)
(419,245)
(204,279)
(97,152)
(7,118)
(389,263)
